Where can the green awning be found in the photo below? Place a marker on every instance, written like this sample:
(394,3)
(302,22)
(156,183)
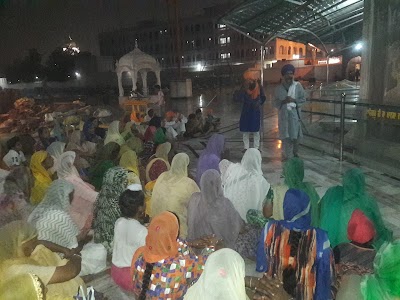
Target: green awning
(333,21)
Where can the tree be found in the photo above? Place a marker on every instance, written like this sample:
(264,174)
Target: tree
(60,66)
(29,69)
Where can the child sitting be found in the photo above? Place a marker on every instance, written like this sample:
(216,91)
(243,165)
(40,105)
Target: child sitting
(15,156)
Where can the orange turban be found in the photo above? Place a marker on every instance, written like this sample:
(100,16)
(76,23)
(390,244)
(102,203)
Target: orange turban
(251,75)
(170,114)
(360,229)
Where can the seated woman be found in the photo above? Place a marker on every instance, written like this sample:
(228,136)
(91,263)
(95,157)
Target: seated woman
(339,203)
(51,217)
(149,187)
(21,252)
(130,162)
(55,150)
(293,172)
(44,139)
(297,253)
(165,267)
(159,163)
(82,204)
(89,131)
(209,212)
(113,134)
(84,150)
(41,162)
(193,127)
(129,235)
(107,209)
(356,258)
(135,143)
(173,190)
(223,278)
(211,156)
(244,183)
(106,157)
(23,286)
(149,135)
(14,202)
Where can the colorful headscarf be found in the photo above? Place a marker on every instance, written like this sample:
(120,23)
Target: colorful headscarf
(222,278)
(161,240)
(170,114)
(360,229)
(135,143)
(41,176)
(107,209)
(24,286)
(252,76)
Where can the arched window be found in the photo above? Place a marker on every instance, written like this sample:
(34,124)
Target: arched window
(289,50)
(295,50)
(301,52)
(281,49)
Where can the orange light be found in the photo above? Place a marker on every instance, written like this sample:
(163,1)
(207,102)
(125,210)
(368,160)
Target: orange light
(279,146)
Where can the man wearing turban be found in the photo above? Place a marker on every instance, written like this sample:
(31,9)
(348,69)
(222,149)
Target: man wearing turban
(289,96)
(253,98)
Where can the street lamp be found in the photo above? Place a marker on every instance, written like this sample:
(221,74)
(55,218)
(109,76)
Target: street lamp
(358,46)
(78,75)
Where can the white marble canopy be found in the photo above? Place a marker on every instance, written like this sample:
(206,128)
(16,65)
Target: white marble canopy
(136,62)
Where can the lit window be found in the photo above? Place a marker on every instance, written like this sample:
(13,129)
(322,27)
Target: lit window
(222,40)
(221,26)
(225,55)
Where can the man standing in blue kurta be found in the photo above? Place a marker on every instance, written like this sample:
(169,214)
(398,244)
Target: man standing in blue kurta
(289,96)
(253,97)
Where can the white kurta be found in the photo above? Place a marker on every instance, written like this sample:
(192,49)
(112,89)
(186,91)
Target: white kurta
(288,119)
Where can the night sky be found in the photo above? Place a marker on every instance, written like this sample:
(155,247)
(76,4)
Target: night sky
(46,24)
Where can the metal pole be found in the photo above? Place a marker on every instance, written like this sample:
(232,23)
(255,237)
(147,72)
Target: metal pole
(327,69)
(262,86)
(342,115)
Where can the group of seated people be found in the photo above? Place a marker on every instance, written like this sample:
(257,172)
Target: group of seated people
(169,234)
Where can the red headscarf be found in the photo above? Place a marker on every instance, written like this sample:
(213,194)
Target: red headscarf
(360,229)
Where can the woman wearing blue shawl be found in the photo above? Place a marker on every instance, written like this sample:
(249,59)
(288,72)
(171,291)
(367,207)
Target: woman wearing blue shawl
(296,253)
(89,129)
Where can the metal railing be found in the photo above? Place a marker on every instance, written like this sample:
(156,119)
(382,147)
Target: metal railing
(351,110)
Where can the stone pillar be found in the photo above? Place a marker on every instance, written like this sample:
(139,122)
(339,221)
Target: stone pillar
(380,70)
(144,80)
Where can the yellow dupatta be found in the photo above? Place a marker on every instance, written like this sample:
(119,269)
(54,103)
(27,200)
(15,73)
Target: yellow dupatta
(41,176)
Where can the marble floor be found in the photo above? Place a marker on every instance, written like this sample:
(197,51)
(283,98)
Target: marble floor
(322,170)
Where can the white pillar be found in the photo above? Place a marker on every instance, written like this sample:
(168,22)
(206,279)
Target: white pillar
(120,87)
(144,80)
(134,80)
(158,77)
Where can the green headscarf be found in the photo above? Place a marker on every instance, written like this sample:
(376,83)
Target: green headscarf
(136,144)
(339,203)
(385,282)
(160,137)
(293,171)
(105,157)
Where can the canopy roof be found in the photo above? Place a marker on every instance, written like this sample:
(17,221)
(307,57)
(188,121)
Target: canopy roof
(333,21)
